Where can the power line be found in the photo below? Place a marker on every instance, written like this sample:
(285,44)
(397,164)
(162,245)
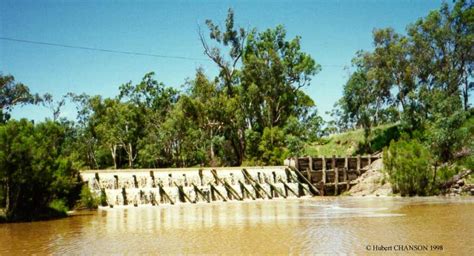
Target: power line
(123,52)
(102,49)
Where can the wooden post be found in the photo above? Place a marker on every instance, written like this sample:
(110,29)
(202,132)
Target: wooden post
(289,177)
(199,192)
(346,169)
(200,177)
(278,192)
(256,185)
(345,178)
(116,183)
(164,195)
(289,189)
(312,188)
(218,192)
(152,175)
(370,159)
(323,178)
(182,195)
(310,169)
(242,186)
(358,165)
(346,162)
(231,190)
(336,181)
(333,163)
(333,167)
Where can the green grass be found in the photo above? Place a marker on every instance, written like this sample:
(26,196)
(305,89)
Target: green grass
(348,143)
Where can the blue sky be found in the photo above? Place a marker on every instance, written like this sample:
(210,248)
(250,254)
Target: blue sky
(331,31)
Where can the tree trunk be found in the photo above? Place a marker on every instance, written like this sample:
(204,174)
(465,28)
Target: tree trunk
(130,155)
(212,150)
(113,151)
(466,94)
(7,197)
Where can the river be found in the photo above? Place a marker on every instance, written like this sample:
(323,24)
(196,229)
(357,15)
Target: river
(321,225)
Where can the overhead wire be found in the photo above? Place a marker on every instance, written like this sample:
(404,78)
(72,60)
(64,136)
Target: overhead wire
(119,51)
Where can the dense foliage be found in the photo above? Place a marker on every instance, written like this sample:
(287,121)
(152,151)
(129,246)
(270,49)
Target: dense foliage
(37,173)
(420,80)
(408,164)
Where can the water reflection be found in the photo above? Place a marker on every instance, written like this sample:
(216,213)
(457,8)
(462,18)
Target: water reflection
(310,226)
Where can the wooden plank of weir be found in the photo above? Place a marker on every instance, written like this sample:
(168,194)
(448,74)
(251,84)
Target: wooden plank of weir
(228,187)
(276,189)
(323,178)
(288,188)
(313,190)
(232,190)
(358,165)
(164,194)
(199,192)
(181,191)
(346,169)
(243,188)
(251,181)
(310,169)
(289,176)
(257,186)
(214,189)
(216,178)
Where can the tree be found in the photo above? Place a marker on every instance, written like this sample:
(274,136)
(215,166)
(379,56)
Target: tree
(152,103)
(442,43)
(231,38)
(12,94)
(425,76)
(265,92)
(55,107)
(35,169)
(274,71)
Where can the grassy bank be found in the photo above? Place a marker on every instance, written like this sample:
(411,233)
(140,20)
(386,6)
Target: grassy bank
(350,143)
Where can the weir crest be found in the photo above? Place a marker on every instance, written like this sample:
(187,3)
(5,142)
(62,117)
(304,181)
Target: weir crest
(192,185)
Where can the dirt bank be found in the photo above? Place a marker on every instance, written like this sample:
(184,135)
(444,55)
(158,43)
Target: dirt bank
(372,183)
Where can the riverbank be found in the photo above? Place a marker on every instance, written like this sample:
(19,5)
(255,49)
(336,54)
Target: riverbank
(375,182)
(49,214)
(372,183)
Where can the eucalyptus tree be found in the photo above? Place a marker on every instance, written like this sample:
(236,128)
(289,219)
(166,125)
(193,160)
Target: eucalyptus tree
(152,103)
(232,40)
(425,75)
(262,76)
(274,71)
(13,93)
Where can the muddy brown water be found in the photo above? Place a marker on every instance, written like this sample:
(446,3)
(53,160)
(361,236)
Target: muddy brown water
(300,226)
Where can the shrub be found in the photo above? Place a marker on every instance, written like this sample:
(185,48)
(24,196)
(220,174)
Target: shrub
(409,165)
(88,199)
(59,206)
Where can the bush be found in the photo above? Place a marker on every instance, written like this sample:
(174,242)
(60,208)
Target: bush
(408,164)
(88,199)
(38,177)
(59,206)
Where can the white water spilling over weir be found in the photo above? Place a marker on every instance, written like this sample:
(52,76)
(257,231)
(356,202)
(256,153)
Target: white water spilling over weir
(191,185)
